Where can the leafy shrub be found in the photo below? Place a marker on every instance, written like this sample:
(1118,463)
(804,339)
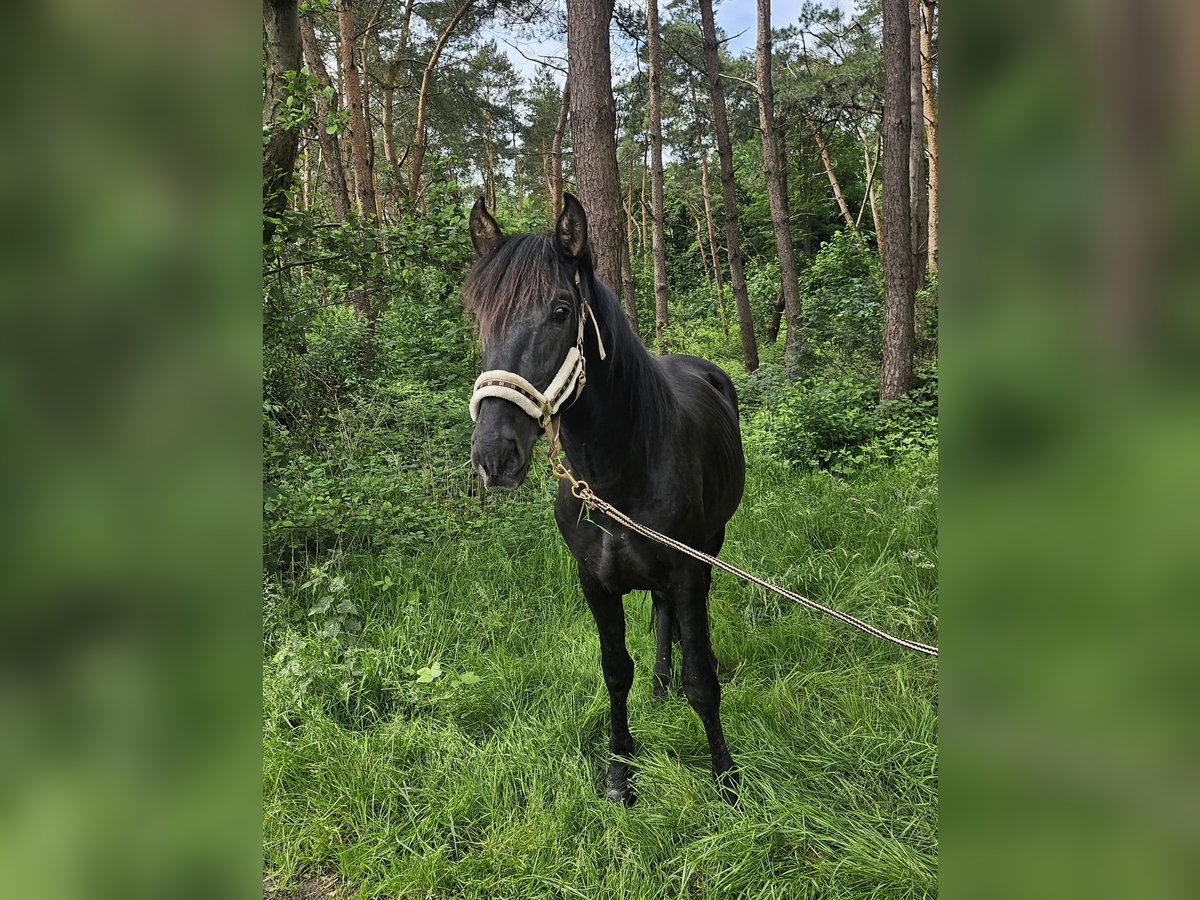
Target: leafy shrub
(842,293)
(836,422)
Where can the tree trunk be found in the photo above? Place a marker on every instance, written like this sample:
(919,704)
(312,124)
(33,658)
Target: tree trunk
(776,319)
(281,24)
(712,232)
(360,134)
(918,197)
(331,149)
(418,154)
(559,130)
(931,138)
(776,187)
(872,167)
(737,275)
(704,263)
(630,228)
(643,234)
(658,238)
(833,179)
(593,126)
(897,245)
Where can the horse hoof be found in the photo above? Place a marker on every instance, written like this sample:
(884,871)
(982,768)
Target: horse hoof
(617,789)
(661,688)
(620,797)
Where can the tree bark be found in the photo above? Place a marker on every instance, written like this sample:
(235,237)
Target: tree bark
(897,245)
(830,174)
(643,233)
(360,135)
(918,198)
(777,188)
(712,230)
(559,130)
(281,25)
(331,148)
(737,275)
(931,137)
(418,154)
(872,167)
(704,262)
(630,228)
(593,126)
(657,237)
(776,319)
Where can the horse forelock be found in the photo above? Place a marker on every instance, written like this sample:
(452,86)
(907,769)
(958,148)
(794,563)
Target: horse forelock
(520,271)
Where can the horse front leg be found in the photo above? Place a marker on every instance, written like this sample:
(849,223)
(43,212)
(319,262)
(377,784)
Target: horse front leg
(700,675)
(617,664)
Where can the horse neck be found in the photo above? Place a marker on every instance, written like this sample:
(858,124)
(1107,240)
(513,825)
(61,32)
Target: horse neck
(609,431)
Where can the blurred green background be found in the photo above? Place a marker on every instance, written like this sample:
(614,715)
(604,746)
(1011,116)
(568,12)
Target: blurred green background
(130,743)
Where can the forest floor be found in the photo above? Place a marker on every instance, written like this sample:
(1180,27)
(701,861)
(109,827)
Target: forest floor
(455,747)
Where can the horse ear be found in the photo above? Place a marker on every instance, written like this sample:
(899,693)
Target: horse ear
(571,230)
(484,230)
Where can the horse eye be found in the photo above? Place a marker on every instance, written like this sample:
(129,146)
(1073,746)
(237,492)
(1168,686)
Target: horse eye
(560,312)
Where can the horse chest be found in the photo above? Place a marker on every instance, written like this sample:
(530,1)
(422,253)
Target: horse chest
(619,559)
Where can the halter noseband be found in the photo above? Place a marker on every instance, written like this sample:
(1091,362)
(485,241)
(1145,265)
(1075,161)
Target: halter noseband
(568,381)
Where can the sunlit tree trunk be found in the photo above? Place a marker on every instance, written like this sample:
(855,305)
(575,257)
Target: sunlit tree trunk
(718,277)
(872,167)
(737,275)
(559,131)
(776,189)
(930,116)
(643,232)
(360,136)
(281,26)
(897,245)
(331,149)
(419,131)
(593,126)
(917,191)
(657,237)
(827,162)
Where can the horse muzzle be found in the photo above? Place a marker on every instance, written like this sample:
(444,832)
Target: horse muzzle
(502,461)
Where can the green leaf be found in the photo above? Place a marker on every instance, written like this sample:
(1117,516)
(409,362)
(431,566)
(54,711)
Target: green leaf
(428,674)
(469,678)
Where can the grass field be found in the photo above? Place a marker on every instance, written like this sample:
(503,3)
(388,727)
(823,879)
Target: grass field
(454,746)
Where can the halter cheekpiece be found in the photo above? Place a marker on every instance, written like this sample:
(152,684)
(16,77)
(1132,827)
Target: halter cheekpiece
(567,382)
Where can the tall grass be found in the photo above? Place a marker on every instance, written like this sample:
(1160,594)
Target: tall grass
(484,781)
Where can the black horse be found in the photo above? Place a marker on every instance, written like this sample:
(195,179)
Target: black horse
(657,437)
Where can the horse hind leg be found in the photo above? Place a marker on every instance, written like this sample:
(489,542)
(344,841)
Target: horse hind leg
(700,680)
(666,632)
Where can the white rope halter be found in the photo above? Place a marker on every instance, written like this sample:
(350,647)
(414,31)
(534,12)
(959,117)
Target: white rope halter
(568,381)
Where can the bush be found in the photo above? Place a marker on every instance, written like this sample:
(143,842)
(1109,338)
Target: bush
(836,422)
(842,293)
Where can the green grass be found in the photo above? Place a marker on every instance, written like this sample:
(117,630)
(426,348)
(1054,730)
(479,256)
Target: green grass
(492,789)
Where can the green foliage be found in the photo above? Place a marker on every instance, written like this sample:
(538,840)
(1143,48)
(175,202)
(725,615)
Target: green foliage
(835,421)
(467,716)
(842,297)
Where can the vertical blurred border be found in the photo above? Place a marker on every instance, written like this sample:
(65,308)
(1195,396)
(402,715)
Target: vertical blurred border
(130,401)
(1070,515)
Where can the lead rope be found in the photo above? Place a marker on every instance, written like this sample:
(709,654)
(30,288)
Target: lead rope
(581,491)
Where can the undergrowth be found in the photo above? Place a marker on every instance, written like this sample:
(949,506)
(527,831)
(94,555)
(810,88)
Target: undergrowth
(435,721)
